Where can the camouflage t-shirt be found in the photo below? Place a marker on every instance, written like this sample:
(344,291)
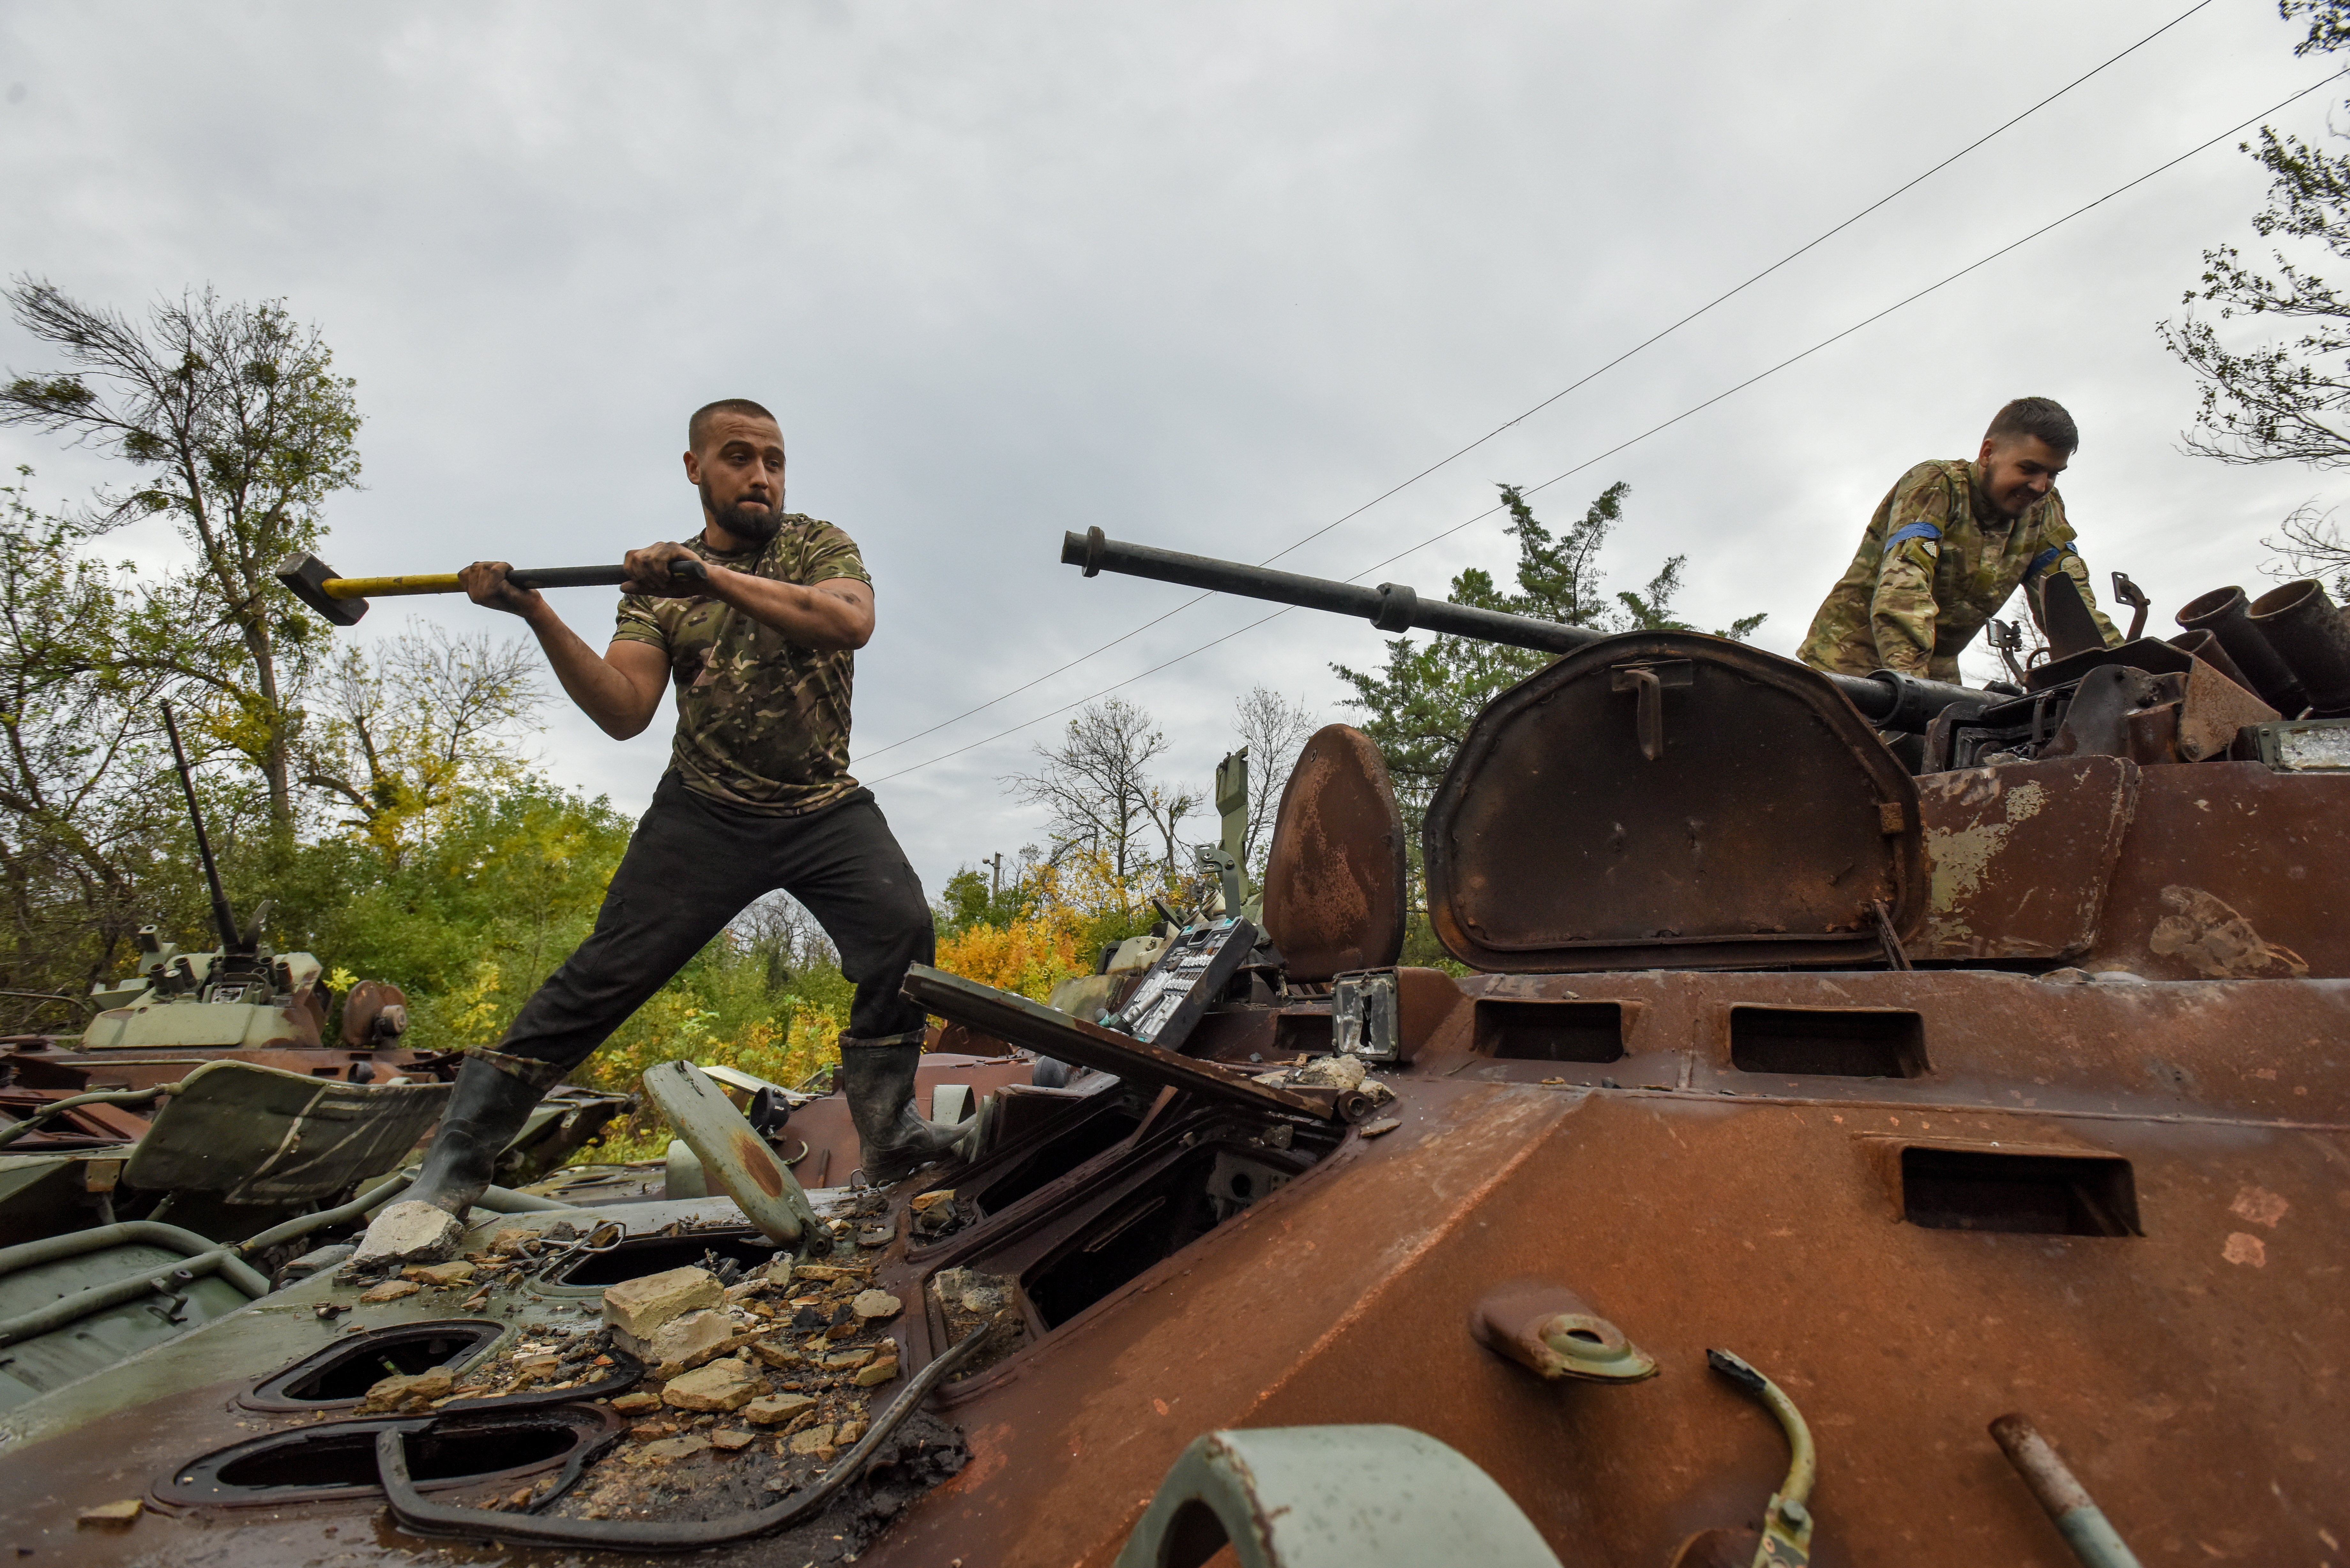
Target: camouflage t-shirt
(761,722)
(1937,563)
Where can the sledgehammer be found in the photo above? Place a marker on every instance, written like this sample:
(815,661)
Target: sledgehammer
(342,601)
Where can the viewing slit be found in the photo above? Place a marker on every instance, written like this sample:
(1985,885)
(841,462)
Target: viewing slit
(2025,1194)
(1550,1030)
(1828,1043)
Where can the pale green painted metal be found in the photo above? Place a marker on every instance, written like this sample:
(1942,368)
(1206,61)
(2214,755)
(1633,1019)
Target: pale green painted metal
(103,1335)
(78,1302)
(1334,1497)
(733,1153)
(2069,1506)
(129,1232)
(1788,1521)
(303,1224)
(264,1135)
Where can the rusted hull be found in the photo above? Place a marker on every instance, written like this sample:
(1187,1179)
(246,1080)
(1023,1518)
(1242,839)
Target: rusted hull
(2184,1360)
(2156,1356)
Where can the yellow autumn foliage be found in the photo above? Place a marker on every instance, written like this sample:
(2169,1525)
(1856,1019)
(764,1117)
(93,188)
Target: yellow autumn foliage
(1074,908)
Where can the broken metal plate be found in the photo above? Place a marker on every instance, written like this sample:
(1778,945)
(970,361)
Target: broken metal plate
(1768,824)
(2021,855)
(2072,630)
(262,1135)
(1334,886)
(1056,1034)
(732,1151)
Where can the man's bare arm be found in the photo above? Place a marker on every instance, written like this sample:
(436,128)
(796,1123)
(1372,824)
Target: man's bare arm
(835,613)
(620,688)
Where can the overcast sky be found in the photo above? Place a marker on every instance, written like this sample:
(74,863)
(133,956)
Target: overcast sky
(1209,276)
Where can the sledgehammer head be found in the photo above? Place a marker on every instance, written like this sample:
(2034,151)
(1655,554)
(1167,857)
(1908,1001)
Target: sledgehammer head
(306,577)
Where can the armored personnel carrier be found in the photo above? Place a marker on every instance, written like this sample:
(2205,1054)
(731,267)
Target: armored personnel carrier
(157,1169)
(1807,1157)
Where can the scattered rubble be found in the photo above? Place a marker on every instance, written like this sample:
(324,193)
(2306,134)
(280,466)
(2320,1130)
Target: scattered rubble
(407,1392)
(666,1449)
(408,1231)
(773,1409)
(637,1307)
(1336,1072)
(681,1344)
(727,1385)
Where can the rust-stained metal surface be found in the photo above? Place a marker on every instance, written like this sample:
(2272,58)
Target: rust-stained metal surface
(2019,856)
(2231,871)
(1335,885)
(1768,825)
(1699,1205)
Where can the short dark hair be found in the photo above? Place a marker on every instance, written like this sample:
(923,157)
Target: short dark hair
(2042,418)
(696,426)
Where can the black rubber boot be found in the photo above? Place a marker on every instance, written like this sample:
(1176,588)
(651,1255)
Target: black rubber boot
(484,1115)
(877,1076)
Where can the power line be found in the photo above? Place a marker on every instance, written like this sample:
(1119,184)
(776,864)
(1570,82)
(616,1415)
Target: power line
(1869,321)
(1585,380)
(1733,292)
(1653,429)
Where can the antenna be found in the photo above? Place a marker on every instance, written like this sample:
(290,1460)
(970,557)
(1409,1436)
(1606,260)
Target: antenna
(231,942)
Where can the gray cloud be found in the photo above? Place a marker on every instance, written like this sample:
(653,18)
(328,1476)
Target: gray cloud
(1208,277)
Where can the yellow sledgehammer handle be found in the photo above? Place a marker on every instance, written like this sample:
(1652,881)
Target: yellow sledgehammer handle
(342,601)
(389,587)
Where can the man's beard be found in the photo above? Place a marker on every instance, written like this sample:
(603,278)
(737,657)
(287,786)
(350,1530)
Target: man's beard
(746,519)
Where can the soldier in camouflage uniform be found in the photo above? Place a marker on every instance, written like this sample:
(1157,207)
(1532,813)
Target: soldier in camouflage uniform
(1947,546)
(758,797)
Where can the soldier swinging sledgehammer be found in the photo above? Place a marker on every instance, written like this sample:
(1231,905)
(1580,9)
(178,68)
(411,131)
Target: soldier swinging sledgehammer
(758,797)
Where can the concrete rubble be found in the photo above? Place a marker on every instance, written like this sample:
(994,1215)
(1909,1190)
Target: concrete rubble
(408,1232)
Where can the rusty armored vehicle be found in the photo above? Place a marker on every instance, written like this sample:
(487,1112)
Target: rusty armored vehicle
(1810,1156)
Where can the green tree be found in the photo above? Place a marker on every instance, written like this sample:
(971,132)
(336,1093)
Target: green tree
(1419,707)
(79,817)
(2279,399)
(404,730)
(239,429)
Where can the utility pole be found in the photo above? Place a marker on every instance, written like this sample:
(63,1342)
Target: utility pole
(996,879)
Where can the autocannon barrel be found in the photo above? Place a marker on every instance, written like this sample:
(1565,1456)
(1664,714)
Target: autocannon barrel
(1887,699)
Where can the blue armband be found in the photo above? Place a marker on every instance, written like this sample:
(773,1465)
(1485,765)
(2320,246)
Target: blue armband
(1912,530)
(2047,558)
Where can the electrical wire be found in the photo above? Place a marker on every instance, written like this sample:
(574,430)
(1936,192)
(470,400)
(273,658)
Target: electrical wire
(1655,428)
(1580,382)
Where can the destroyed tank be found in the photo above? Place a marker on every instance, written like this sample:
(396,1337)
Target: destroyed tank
(158,1169)
(1806,1157)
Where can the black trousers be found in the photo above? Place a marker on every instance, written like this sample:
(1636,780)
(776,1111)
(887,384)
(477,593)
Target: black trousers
(693,865)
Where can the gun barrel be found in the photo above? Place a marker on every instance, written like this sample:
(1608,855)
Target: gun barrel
(1886,699)
(1390,606)
(231,940)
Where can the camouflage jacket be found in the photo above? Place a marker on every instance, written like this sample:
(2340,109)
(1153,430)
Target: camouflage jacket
(1936,564)
(762,723)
